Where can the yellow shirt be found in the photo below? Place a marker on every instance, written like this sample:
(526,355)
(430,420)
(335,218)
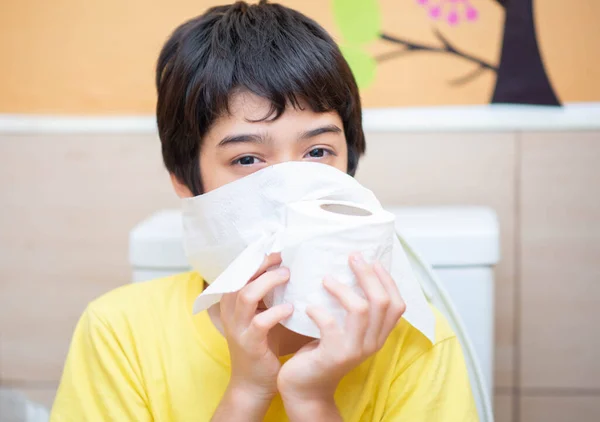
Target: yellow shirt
(138,354)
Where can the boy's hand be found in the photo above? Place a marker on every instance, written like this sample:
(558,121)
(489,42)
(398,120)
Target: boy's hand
(310,378)
(254,365)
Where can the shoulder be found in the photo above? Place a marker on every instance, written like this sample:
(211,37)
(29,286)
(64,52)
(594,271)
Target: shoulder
(143,303)
(408,344)
(429,379)
(446,344)
(406,334)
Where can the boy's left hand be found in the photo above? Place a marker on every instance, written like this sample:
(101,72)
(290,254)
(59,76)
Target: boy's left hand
(309,379)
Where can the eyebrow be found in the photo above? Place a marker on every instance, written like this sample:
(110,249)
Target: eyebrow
(243,138)
(319,131)
(261,139)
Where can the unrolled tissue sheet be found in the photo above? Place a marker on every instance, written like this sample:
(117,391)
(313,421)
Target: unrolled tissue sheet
(315,216)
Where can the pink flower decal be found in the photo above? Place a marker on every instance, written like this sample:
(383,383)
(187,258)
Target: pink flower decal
(452,11)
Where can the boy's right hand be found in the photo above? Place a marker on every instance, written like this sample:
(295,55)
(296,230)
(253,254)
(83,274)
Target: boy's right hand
(254,364)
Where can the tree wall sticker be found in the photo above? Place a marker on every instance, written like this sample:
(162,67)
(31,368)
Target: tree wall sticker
(520,75)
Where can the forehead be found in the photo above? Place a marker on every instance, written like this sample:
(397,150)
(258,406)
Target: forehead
(245,105)
(248,110)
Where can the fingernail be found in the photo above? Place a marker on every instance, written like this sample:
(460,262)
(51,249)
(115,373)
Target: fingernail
(358,260)
(282,271)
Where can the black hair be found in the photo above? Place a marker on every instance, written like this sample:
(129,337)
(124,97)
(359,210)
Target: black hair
(266,48)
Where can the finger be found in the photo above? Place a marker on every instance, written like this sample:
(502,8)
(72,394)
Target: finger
(227,306)
(270,262)
(377,296)
(228,300)
(262,323)
(387,282)
(397,305)
(252,293)
(357,319)
(330,330)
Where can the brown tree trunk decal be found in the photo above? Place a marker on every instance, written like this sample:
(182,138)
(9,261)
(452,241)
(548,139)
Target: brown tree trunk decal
(521,76)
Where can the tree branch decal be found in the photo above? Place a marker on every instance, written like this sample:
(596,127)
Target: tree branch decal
(520,75)
(447,48)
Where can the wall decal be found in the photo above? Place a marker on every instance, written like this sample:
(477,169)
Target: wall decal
(520,76)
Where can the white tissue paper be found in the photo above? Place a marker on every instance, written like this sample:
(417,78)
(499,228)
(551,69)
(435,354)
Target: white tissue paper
(315,216)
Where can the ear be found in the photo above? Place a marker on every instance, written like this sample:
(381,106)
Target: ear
(180,188)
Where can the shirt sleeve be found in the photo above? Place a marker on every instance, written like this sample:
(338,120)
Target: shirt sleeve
(434,387)
(100,381)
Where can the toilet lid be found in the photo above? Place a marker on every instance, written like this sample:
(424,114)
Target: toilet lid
(444,236)
(451,236)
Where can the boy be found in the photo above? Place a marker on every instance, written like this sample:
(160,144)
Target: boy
(240,88)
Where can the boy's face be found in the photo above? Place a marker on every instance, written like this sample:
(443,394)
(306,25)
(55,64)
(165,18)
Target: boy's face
(242,143)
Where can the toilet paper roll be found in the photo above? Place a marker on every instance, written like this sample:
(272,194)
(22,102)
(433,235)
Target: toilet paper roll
(319,238)
(229,230)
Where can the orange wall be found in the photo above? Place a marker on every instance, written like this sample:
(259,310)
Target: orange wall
(97,57)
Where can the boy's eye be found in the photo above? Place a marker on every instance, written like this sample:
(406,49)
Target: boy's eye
(317,153)
(246,161)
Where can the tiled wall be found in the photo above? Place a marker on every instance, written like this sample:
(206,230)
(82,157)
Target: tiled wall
(545,188)
(68,202)
(559,248)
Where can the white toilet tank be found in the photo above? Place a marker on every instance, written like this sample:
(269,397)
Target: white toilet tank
(460,243)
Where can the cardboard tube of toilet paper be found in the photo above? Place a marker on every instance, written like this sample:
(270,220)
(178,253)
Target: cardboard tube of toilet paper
(318,240)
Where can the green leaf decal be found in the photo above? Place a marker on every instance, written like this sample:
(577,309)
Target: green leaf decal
(358,20)
(362,64)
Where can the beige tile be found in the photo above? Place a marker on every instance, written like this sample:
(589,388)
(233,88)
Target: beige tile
(455,169)
(68,202)
(503,408)
(560,250)
(560,409)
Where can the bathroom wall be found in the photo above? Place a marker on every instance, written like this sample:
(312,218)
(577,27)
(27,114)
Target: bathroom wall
(70,196)
(545,188)
(82,57)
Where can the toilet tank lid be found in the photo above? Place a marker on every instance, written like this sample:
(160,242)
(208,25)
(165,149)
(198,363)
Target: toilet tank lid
(157,242)
(451,236)
(443,236)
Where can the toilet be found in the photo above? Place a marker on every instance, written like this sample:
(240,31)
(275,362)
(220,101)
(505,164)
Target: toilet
(460,244)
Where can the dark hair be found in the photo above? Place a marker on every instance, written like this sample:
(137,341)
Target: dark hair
(268,49)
